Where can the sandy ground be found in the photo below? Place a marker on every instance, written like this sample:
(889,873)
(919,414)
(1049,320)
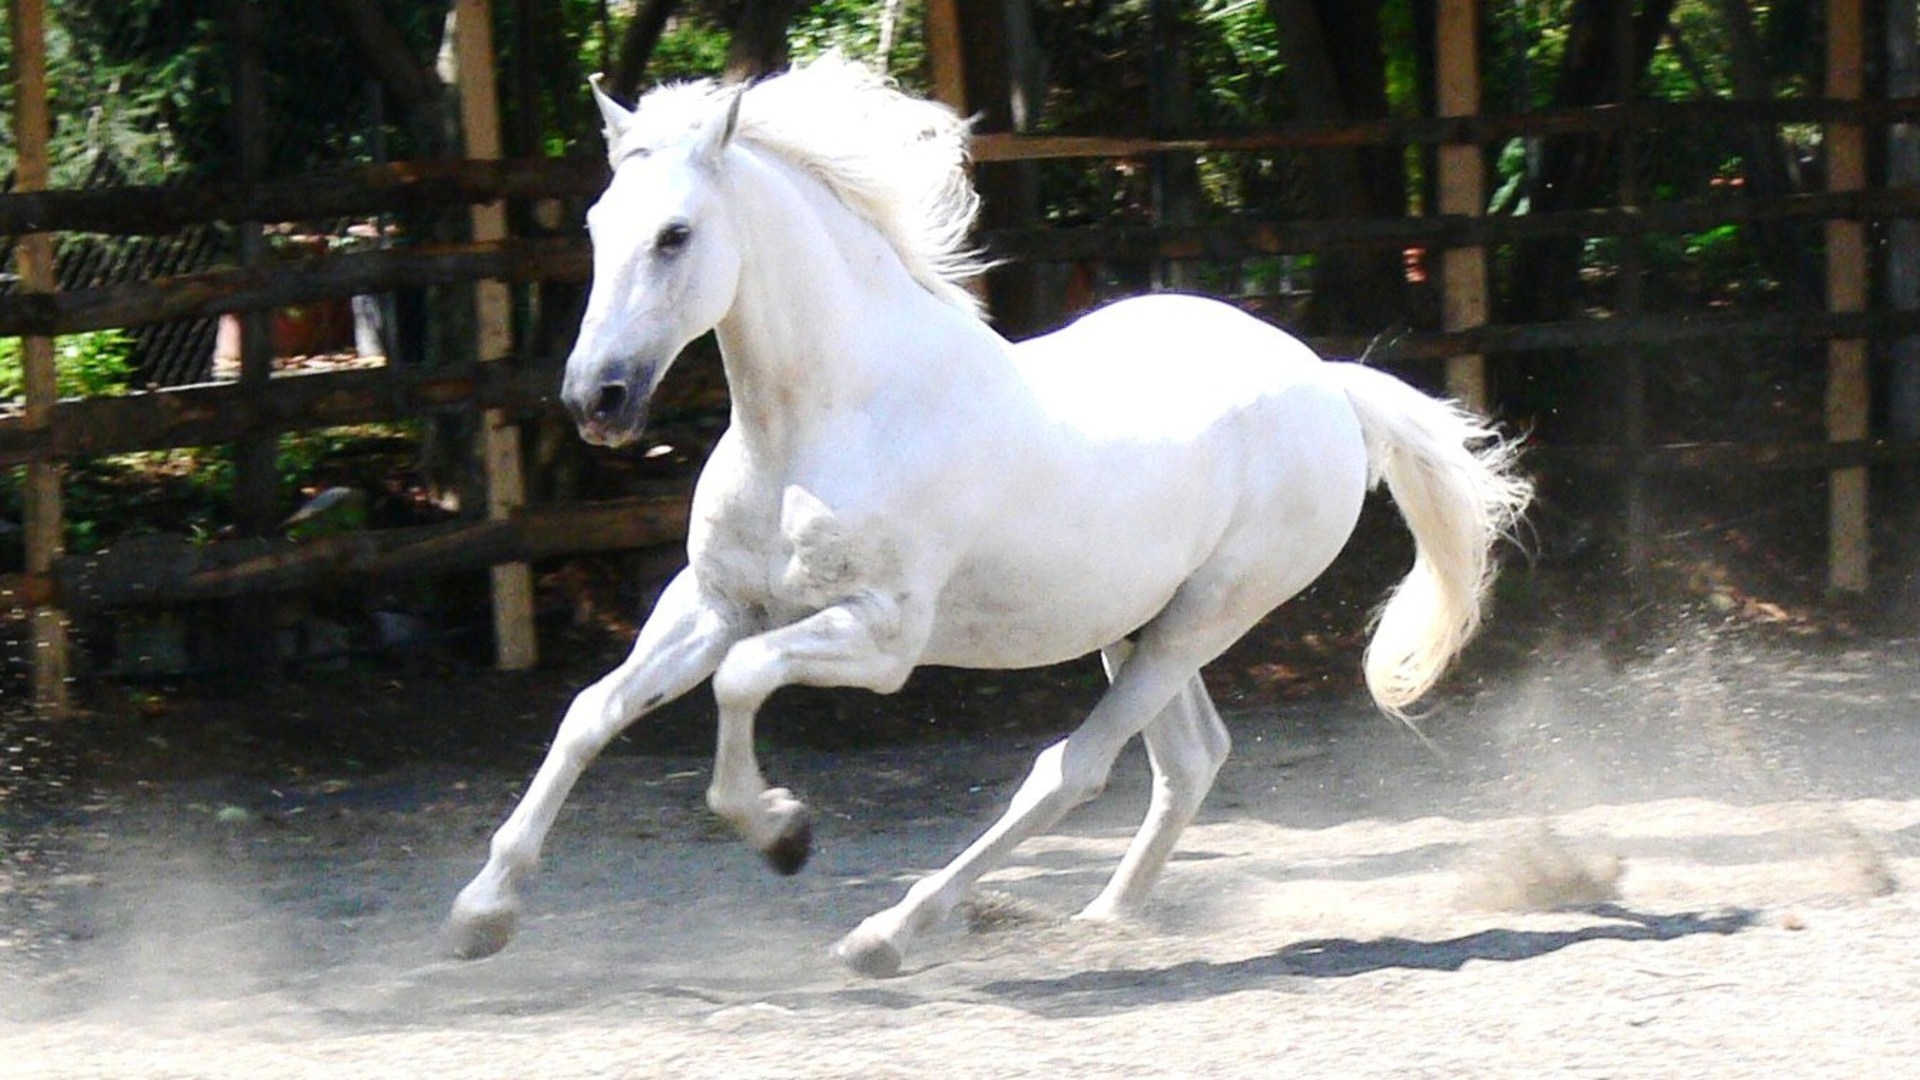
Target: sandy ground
(1724,829)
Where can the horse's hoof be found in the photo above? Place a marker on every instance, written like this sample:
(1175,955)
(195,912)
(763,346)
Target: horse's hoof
(790,849)
(475,935)
(869,954)
(1101,913)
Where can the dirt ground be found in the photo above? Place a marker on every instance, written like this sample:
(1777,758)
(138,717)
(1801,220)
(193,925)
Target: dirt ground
(1696,859)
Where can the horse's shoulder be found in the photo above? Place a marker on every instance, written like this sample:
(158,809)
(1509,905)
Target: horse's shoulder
(833,552)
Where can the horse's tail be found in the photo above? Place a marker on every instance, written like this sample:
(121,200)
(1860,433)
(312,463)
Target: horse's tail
(1453,477)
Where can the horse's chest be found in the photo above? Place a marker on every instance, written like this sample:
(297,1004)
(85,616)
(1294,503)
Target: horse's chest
(789,555)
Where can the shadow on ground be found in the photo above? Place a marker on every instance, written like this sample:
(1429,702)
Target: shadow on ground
(1089,993)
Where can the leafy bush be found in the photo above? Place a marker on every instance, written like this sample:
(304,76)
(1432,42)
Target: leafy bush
(85,365)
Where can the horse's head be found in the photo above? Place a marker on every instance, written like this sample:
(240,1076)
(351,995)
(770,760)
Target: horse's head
(666,264)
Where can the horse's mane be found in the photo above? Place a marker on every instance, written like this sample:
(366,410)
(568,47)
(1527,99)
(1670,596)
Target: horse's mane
(896,160)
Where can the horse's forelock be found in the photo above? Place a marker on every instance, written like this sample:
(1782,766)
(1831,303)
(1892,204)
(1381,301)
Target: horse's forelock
(668,114)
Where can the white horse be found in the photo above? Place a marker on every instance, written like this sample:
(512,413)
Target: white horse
(901,486)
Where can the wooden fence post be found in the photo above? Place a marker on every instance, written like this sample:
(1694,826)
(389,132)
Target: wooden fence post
(515,644)
(1630,297)
(1462,166)
(45,519)
(1848,393)
(947,69)
(251,644)
(945,61)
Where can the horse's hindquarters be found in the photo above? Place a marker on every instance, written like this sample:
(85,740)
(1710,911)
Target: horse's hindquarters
(1236,515)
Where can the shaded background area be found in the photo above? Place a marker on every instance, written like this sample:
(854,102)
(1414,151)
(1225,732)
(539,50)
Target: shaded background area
(1654,220)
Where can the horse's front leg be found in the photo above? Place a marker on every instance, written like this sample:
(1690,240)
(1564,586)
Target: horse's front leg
(681,643)
(868,642)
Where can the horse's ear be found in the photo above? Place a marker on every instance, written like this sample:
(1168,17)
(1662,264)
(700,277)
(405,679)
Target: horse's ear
(616,115)
(716,136)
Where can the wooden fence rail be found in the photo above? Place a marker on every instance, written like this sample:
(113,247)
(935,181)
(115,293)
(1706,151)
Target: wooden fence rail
(278,284)
(420,186)
(1244,237)
(298,281)
(222,413)
(360,191)
(215,414)
(1482,129)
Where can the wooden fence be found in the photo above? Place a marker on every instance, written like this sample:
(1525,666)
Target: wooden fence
(48,432)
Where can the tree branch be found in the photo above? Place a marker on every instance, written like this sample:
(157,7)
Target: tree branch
(411,84)
(636,48)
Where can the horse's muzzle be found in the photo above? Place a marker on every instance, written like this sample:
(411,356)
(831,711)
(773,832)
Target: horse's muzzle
(610,412)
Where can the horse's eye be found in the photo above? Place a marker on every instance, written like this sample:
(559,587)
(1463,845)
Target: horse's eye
(673,237)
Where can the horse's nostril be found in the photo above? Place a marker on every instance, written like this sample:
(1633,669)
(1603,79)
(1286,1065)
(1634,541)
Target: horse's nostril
(613,397)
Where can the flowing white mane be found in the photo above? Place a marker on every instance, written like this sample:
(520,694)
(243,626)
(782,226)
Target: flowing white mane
(897,161)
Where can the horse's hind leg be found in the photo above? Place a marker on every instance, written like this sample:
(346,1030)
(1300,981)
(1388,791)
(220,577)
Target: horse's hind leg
(1186,745)
(1065,775)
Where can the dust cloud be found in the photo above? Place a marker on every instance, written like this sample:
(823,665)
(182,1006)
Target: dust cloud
(1604,763)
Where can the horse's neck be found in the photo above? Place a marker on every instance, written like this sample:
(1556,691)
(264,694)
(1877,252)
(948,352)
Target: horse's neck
(817,322)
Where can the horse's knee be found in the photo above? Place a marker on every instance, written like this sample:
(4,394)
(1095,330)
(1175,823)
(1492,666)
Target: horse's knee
(602,709)
(746,677)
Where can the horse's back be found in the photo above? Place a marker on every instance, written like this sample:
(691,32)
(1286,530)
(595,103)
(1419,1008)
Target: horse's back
(1164,364)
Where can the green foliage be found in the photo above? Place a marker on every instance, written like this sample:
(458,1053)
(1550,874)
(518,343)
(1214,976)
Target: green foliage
(695,42)
(1236,61)
(853,27)
(1099,55)
(690,49)
(127,79)
(148,84)
(85,365)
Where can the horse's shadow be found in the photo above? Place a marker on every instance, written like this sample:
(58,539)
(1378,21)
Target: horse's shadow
(1097,992)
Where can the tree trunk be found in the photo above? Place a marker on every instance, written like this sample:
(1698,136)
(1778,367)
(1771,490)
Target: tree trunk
(636,48)
(1004,89)
(1572,172)
(1787,247)
(1903,234)
(447,337)
(409,84)
(1577,171)
(1336,71)
(1176,177)
(248,641)
(759,43)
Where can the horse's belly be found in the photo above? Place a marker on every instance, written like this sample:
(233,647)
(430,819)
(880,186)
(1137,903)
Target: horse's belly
(971,639)
(1001,617)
